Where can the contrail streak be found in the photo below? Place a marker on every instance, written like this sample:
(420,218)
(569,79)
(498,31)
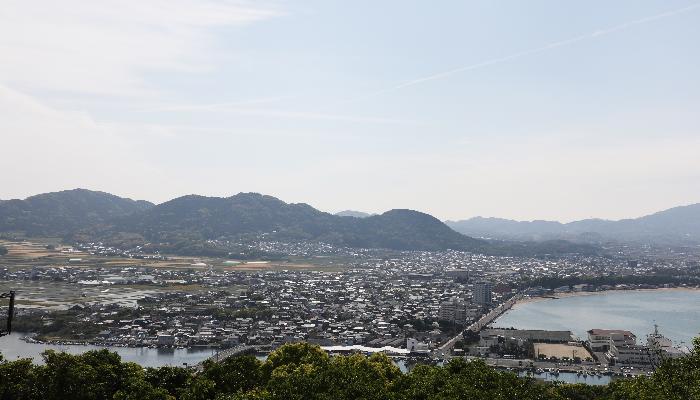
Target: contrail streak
(550,46)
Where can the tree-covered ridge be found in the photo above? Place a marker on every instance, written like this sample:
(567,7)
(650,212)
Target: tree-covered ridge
(246,214)
(303,371)
(185,224)
(64,213)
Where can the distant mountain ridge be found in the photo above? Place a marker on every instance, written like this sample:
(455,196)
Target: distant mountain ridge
(678,225)
(355,214)
(88,215)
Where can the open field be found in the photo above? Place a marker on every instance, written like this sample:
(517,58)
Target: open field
(46,254)
(61,295)
(29,254)
(34,250)
(35,253)
(282,265)
(561,351)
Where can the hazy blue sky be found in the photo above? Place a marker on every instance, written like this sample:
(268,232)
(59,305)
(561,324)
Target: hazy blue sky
(539,109)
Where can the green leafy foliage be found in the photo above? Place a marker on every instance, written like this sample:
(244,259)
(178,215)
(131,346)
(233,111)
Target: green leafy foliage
(676,379)
(66,324)
(303,371)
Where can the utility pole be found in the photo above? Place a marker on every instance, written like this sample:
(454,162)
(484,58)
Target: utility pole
(10,311)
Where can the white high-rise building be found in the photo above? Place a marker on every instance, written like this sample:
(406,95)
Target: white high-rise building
(481,294)
(457,310)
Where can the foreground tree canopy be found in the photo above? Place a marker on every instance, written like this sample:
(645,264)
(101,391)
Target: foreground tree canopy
(303,371)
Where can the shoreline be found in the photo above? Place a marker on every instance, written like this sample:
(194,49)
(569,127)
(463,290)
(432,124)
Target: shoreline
(637,310)
(27,338)
(564,295)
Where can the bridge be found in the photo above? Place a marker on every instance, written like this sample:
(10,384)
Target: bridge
(482,322)
(220,356)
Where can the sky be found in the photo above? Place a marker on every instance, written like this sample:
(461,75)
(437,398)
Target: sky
(540,109)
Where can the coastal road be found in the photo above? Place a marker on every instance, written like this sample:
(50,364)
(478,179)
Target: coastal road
(481,323)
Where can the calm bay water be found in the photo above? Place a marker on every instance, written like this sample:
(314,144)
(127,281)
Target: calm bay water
(12,347)
(677,312)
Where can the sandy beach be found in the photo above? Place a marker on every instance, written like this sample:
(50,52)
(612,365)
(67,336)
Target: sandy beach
(557,296)
(674,310)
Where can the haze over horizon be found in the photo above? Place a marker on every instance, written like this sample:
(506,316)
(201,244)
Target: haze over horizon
(352,211)
(527,111)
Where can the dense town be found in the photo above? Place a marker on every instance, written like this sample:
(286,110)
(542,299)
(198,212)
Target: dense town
(431,305)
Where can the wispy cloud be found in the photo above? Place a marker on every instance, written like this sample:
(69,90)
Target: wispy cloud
(58,149)
(244,108)
(536,50)
(213,106)
(316,116)
(107,47)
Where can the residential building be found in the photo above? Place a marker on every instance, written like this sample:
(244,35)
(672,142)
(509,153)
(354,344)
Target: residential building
(482,293)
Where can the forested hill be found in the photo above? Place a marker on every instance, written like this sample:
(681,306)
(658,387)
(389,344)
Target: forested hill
(200,218)
(86,215)
(63,213)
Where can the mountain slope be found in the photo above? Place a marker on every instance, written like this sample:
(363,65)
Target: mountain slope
(678,225)
(215,217)
(506,229)
(409,230)
(203,218)
(62,213)
(189,222)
